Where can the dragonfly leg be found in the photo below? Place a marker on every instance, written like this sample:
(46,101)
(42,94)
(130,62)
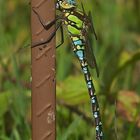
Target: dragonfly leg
(35,44)
(62,36)
(48,25)
(94,102)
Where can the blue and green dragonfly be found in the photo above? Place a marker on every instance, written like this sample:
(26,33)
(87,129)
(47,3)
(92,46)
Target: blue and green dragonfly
(78,25)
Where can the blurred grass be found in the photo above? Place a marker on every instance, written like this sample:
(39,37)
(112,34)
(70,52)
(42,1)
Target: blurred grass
(118,53)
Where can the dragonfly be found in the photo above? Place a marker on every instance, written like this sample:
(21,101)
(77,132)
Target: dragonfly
(79,26)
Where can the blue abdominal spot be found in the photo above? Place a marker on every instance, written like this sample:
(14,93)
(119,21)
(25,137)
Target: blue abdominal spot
(80,54)
(77,42)
(93,100)
(97,128)
(89,84)
(95,114)
(85,69)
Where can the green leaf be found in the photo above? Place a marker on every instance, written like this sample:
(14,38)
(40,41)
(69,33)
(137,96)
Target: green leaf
(74,90)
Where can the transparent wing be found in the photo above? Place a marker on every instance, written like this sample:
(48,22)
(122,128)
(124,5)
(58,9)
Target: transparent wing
(92,25)
(89,16)
(91,60)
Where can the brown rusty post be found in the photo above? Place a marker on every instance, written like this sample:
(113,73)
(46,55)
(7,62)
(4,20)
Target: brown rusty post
(43,73)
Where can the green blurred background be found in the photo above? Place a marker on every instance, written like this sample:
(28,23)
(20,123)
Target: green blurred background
(117,23)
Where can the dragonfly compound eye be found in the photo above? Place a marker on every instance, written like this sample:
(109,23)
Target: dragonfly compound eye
(71,2)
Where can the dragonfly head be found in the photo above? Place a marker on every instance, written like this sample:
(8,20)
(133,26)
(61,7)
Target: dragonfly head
(65,4)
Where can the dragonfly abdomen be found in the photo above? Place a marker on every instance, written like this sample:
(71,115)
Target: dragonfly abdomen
(79,50)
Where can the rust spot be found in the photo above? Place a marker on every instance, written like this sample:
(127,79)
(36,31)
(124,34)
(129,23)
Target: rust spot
(50,117)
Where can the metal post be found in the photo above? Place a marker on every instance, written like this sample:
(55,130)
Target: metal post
(43,74)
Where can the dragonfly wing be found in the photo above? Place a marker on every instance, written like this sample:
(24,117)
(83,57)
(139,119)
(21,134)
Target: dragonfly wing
(92,25)
(91,60)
